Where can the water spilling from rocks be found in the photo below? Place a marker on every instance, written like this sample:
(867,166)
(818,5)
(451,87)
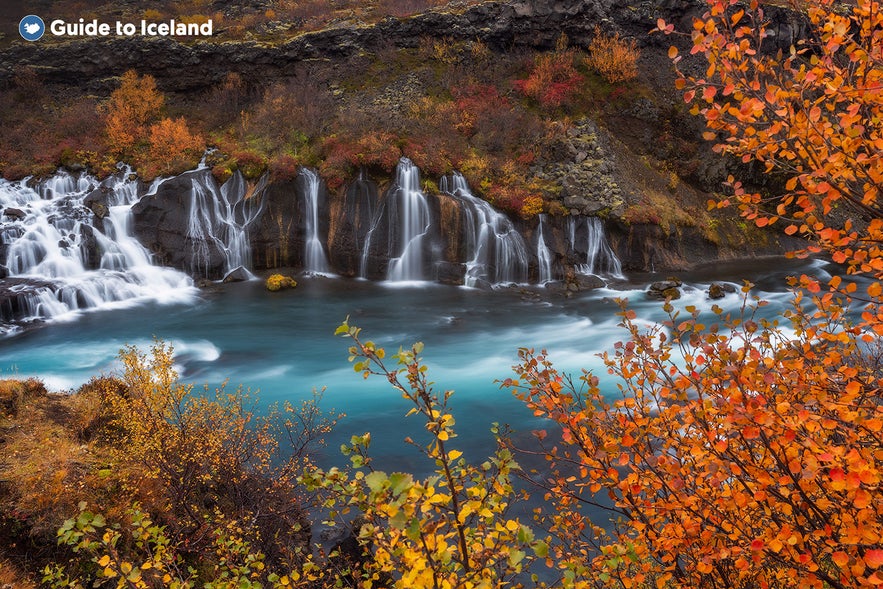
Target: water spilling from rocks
(219,221)
(589,243)
(315,257)
(409,221)
(61,256)
(495,251)
(544,254)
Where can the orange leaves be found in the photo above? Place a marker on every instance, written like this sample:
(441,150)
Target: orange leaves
(766,458)
(815,113)
(130,110)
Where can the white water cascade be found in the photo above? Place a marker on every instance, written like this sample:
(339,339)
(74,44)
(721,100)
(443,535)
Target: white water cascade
(544,254)
(409,222)
(220,218)
(600,259)
(496,252)
(60,262)
(315,258)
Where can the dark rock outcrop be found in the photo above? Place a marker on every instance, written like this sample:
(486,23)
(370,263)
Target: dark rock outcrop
(161,223)
(665,289)
(502,25)
(96,201)
(14,213)
(718,290)
(351,221)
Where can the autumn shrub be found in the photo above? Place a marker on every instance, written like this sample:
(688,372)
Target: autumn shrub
(250,163)
(746,464)
(172,148)
(532,206)
(130,110)
(342,156)
(294,111)
(451,529)
(284,168)
(190,456)
(615,58)
(553,80)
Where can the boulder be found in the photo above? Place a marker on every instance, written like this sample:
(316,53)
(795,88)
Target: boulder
(450,272)
(718,290)
(96,201)
(14,213)
(238,274)
(161,224)
(665,289)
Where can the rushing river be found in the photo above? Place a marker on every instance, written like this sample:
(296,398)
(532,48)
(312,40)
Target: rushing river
(282,344)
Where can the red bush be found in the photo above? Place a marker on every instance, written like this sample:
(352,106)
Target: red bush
(553,79)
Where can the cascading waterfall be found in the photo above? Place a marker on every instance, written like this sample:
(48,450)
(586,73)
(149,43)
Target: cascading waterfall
(496,252)
(544,254)
(600,259)
(59,262)
(409,224)
(220,218)
(315,258)
(407,213)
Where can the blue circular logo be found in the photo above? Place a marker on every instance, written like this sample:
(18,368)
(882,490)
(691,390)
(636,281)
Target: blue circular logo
(31,27)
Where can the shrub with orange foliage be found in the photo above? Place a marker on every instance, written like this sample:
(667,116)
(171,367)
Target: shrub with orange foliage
(814,113)
(746,454)
(615,58)
(131,109)
(553,79)
(533,205)
(754,462)
(173,148)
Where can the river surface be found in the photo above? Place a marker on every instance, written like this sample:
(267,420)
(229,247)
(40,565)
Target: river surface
(282,344)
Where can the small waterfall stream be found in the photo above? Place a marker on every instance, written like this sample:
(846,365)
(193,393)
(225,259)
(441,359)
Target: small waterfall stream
(60,261)
(495,251)
(315,257)
(219,218)
(599,257)
(544,254)
(409,221)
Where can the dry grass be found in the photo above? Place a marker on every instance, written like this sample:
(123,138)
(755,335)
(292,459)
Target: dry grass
(12,578)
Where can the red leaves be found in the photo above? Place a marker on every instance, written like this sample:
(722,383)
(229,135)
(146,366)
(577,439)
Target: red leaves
(874,558)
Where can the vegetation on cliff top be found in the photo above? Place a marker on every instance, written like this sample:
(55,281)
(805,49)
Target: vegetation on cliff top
(446,105)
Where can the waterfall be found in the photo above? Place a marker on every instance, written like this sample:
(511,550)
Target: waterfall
(409,221)
(219,219)
(59,261)
(599,257)
(544,254)
(495,251)
(315,258)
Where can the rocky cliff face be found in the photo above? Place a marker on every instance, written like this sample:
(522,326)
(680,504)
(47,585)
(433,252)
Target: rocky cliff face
(92,63)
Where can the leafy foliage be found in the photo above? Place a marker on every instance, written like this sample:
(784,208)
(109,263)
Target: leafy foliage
(130,111)
(172,147)
(810,111)
(752,460)
(615,58)
(553,79)
(448,530)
